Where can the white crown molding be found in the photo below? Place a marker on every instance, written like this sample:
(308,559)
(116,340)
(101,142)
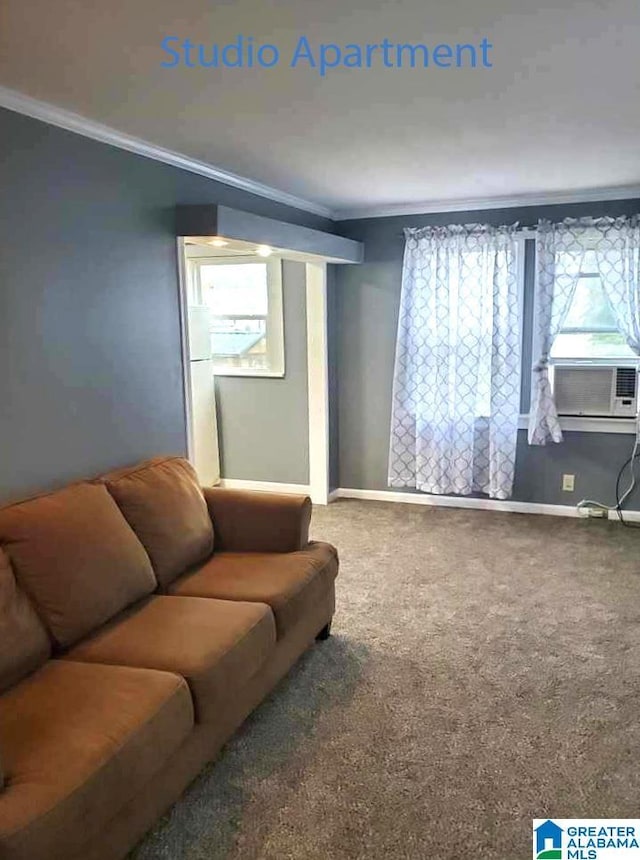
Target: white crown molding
(70,121)
(434,207)
(471,503)
(20,103)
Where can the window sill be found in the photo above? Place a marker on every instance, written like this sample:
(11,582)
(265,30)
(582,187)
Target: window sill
(251,374)
(589,425)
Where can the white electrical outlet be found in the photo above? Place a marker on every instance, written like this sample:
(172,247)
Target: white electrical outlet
(568,483)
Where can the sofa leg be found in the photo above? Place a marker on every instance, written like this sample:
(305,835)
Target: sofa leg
(324,633)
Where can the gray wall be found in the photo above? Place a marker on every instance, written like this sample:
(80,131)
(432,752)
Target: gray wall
(368,301)
(264,423)
(89,330)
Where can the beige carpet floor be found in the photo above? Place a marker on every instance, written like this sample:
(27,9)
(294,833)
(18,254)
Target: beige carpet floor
(484,670)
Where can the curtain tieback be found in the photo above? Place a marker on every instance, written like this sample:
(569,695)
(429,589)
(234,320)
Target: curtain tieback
(541,365)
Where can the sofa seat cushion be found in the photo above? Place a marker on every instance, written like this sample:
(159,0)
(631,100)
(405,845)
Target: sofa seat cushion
(24,643)
(290,583)
(76,557)
(164,505)
(79,741)
(215,645)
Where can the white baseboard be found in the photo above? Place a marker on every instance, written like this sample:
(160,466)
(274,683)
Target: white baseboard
(470,503)
(421,499)
(264,486)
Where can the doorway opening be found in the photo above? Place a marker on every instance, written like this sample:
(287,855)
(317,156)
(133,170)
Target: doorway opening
(255,365)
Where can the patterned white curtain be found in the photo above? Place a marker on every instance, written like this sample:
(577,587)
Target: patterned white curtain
(618,255)
(560,251)
(456,391)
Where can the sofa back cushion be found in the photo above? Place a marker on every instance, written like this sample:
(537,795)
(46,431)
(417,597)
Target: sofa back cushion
(76,557)
(24,642)
(163,503)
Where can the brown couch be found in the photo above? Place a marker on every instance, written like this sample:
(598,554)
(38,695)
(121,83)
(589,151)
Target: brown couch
(141,620)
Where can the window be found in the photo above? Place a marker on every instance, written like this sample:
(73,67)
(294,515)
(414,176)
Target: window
(589,331)
(244,298)
(456,387)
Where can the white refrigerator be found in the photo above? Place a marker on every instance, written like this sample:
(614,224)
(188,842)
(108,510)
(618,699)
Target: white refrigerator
(204,426)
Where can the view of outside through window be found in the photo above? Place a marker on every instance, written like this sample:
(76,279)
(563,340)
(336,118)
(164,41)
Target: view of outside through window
(590,329)
(237,295)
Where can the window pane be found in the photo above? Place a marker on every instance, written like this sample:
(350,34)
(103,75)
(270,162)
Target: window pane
(237,295)
(591,345)
(240,343)
(239,288)
(590,307)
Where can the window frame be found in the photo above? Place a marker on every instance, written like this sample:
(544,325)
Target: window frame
(593,361)
(582,424)
(274,318)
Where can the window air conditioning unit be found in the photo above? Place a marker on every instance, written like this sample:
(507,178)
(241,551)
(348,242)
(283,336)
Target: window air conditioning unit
(598,391)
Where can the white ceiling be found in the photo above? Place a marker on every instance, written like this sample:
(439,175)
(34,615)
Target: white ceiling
(559,112)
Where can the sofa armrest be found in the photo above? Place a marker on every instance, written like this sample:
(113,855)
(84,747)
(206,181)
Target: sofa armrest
(246,521)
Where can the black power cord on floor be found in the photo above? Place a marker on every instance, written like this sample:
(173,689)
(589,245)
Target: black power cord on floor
(619,500)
